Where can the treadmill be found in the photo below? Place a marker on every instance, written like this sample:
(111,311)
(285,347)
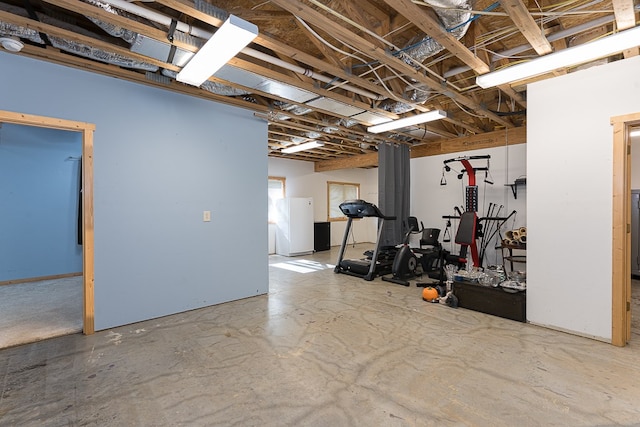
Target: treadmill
(364,268)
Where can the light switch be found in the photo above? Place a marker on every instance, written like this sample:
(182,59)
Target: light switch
(206,216)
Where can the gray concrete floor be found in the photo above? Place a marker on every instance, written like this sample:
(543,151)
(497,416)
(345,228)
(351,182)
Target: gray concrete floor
(322,350)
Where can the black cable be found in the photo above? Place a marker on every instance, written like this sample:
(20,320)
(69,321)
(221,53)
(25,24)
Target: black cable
(32,14)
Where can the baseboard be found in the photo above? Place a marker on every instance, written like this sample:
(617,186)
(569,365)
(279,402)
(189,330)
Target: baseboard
(571,332)
(37,279)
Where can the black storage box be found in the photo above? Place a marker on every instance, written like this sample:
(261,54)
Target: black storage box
(321,236)
(496,301)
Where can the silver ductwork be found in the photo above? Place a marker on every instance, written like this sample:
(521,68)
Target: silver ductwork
(416,93)
(114,30)
(213,87)
(453,19)
(100,55)
(457,23)
(7,29)
(67,45)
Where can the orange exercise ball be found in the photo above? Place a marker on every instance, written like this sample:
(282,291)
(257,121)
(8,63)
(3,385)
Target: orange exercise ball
(430,294)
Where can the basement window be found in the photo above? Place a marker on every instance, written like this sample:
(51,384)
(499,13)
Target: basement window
(276,187)
(338,192)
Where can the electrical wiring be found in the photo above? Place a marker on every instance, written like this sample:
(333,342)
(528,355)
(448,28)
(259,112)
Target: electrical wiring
(467,111)
(353,23)
(260,5)
(327,43)
(370,63)
(506,32)
(401,27)
(498,54)
(478,13)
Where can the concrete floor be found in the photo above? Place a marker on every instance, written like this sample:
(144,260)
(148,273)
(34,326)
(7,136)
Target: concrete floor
(322,350)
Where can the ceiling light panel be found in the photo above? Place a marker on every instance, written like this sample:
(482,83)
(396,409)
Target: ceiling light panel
(232,36)
(302,147)
(564,58)
(408,121)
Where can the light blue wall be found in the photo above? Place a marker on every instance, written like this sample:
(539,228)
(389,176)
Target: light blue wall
(39,179)
(160,160)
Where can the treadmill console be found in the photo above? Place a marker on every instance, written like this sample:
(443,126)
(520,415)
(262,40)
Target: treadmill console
(360,209)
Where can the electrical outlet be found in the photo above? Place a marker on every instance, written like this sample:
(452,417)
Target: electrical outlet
(206,216)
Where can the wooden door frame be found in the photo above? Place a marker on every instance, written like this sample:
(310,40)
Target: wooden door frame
(621,244)
(87,129)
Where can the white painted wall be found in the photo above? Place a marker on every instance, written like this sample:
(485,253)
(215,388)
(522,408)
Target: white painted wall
(430,200)
(569,167)
(302,181)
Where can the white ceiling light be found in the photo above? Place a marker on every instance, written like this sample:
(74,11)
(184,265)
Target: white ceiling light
(302,147)
(12,44)
(408,121)
(634,133)
(565,58)
(231,38)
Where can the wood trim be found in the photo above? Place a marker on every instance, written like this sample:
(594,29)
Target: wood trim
(39,278)
(621,230)
(87,130)
(87,237)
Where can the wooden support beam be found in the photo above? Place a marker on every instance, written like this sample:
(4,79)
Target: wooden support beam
(520,16)
(499,138)
(625,15)
(375,52)
(360,161)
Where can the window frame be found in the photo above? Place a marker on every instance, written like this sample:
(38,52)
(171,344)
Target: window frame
(336,183)
(283,180)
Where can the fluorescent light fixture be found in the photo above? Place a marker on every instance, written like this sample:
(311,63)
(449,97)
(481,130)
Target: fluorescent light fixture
(597,49)
(408,121)
(302,147)
(635,132)
(234,35)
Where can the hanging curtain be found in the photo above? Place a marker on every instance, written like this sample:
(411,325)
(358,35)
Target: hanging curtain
(394,190)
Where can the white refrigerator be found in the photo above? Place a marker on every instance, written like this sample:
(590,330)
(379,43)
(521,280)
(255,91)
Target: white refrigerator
(294,226)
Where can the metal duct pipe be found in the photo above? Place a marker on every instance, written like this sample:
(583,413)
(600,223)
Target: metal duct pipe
(307,72)
(68,45)
(197,32)
(455,21)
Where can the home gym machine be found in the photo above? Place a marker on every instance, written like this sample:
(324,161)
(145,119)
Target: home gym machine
(369,267)
(471,227)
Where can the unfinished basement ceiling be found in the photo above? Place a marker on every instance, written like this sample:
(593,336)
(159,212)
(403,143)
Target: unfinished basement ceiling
(328,69)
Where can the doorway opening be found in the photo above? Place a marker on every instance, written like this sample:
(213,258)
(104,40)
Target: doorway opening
(621,229)
(86,130)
